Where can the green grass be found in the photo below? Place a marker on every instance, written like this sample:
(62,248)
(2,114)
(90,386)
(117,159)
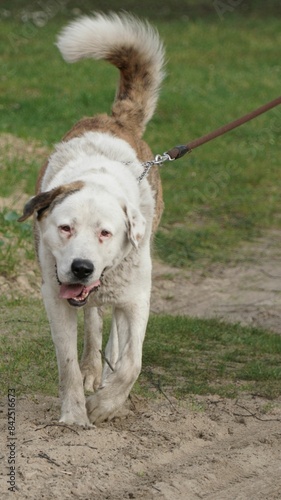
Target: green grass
(16,242)
(170,9)
(182,356)
(190,356)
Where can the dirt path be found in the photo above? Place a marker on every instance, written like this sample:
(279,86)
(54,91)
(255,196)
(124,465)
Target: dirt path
(248,291)
(223,450)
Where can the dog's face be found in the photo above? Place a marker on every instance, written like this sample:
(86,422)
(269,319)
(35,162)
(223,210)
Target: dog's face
(88,231)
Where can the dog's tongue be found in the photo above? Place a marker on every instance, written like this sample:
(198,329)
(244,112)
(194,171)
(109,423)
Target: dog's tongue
(72,291)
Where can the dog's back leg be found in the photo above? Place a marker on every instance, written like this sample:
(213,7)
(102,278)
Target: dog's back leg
(91,365)
(129,327)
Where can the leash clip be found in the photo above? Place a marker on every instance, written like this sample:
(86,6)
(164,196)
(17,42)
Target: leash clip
(158,160)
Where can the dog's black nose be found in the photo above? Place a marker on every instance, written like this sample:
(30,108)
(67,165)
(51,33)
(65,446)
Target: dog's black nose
(82,268)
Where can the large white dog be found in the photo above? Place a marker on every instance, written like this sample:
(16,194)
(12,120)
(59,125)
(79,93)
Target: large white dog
(94,221)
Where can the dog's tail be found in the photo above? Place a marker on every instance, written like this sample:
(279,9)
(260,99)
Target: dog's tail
(133,47)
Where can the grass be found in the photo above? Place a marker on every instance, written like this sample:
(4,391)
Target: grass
(157,9)
(211,357)
(202,357)
(14,235)
(220,196)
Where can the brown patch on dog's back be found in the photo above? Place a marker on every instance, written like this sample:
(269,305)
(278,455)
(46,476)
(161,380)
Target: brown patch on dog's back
(111,125)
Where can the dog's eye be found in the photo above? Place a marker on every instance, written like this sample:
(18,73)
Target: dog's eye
(65,229)
(105,234)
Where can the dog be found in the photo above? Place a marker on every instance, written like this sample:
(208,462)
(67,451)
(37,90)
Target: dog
(94,221)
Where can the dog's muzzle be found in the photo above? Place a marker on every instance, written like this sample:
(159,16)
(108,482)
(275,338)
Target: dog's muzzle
(77,293)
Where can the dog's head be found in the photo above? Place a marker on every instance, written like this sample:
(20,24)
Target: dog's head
(87,230)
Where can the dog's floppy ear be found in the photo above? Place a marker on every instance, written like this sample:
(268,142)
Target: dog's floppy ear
(42,201)
(135,224)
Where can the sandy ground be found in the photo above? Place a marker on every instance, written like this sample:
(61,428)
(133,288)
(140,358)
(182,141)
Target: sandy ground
(202,448)
(213,449)
(247,291)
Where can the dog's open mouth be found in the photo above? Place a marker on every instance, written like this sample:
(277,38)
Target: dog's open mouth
(77,294)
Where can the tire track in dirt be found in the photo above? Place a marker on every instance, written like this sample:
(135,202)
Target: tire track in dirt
(225,468)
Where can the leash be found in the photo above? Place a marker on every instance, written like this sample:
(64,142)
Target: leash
(179,151)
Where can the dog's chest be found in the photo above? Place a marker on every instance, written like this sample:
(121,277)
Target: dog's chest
(116,285)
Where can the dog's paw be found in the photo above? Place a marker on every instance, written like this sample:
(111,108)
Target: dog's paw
(91,376)
(75,417)
(91,380)
(70,420)
(100,408)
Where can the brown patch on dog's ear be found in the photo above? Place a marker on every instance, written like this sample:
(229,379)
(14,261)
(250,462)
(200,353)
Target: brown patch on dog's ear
(42,201)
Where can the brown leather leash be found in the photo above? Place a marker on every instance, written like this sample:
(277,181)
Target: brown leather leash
(179,151)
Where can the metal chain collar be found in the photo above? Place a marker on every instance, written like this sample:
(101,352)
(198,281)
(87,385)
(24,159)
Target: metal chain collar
(158,160)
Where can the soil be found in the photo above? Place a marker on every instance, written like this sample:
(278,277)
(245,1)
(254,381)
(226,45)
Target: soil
(222,450)
(201,448)
(246,290)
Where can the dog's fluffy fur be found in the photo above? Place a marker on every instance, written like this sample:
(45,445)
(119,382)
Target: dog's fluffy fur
(94,221)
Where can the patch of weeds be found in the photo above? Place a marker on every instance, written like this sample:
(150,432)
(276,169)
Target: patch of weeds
(268,407)
(27,354)
(16,241)
(19,174)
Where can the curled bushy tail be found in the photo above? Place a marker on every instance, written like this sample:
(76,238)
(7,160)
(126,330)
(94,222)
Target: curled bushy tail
(133,47)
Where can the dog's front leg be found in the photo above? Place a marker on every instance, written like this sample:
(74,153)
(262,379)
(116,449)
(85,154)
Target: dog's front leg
(129,325)
(63,322)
